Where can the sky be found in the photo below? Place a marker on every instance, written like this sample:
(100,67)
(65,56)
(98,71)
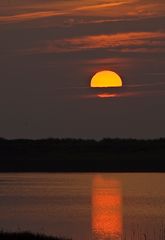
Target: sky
(49,51)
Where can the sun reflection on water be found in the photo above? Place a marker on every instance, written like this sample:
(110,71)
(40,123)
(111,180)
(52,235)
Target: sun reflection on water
(106,209)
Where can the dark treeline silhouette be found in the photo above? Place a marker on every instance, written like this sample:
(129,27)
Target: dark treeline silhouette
(77,155)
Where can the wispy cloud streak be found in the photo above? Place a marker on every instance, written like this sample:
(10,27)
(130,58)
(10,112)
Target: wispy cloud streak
(29,16)
(100,6)
(130,41)
(63,10)
(18,12)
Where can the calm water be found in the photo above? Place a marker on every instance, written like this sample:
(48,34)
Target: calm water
(84,206)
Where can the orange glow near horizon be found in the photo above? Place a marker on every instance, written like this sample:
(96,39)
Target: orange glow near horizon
(107,95)
(106,209)
(106,79)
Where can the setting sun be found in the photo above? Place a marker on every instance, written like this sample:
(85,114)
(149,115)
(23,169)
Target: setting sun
(106,79)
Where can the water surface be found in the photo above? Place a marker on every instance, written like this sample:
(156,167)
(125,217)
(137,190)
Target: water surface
(84,206)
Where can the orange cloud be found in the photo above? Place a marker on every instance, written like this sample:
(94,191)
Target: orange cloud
(117,40)
(116,95)
(107,95)
(28,16)
(63,9)
(121,8)
(99,6)
(147,9)
(131,41)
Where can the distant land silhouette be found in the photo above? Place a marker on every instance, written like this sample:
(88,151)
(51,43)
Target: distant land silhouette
(77,155)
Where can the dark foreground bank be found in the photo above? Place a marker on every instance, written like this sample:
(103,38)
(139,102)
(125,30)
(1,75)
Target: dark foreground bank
(27,236)
(76,155)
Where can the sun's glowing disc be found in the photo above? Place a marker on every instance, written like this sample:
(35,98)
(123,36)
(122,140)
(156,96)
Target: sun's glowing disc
(106,79)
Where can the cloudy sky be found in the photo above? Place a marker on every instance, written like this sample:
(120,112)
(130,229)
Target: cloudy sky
(50,49)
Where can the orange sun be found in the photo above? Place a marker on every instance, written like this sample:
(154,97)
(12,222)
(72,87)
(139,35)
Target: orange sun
(106,79)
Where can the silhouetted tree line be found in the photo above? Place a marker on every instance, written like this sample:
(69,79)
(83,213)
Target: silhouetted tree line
(82,155)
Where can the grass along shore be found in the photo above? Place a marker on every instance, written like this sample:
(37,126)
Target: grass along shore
(27,236)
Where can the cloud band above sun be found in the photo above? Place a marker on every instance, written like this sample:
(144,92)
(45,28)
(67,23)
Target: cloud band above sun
(106,79)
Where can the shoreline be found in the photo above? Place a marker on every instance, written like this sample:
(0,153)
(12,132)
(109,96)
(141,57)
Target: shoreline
(4,235)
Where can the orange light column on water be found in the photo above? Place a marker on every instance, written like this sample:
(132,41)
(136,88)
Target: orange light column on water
(106,209)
